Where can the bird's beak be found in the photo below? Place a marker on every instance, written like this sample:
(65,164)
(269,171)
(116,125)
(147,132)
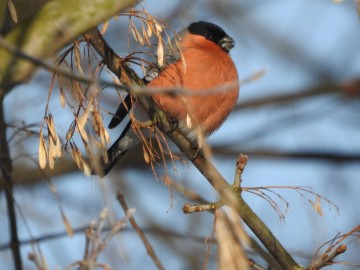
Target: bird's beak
(227,43)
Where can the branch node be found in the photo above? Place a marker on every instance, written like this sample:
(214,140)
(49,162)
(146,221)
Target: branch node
(240,166)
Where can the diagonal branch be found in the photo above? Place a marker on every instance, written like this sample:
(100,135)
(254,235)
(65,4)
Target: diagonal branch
(139,231)
(227,194)
(49,30)
(114,62)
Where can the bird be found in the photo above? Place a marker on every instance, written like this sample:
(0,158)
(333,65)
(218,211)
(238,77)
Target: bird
(196,60)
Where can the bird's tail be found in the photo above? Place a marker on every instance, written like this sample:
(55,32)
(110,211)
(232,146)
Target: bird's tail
(115,153)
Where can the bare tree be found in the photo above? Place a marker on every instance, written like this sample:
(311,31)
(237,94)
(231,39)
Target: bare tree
(86,64)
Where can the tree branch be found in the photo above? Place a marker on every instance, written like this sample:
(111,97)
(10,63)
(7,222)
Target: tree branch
(6,168)
(49,30)
(348,89)
(149,248)
(114,62)
(227,194)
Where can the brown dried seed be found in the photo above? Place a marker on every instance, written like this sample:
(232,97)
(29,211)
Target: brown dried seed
(104,27)
(62,98)
(42,151)
(146,156)
(160,52)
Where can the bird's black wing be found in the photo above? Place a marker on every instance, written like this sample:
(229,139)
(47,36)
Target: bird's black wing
(172,54)
(121,112)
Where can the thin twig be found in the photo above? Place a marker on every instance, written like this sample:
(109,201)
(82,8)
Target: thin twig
(255,266)
(185,191)
(149,249)
(188,193)
(327,259)
(81,230)
(240,166)
(334,249)
(346,88)
(204,206)
(228,151)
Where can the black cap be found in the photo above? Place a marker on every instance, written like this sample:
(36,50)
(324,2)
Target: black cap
(211,32)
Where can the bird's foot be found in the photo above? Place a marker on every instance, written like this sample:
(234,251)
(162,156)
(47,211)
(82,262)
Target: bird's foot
(174,124)
(146,124)
(196,149)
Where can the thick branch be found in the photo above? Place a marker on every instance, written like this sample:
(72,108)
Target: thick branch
(49,30)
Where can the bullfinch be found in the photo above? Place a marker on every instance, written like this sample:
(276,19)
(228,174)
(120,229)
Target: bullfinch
(197,60)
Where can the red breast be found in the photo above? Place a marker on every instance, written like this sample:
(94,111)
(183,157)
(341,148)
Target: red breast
(207,67)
